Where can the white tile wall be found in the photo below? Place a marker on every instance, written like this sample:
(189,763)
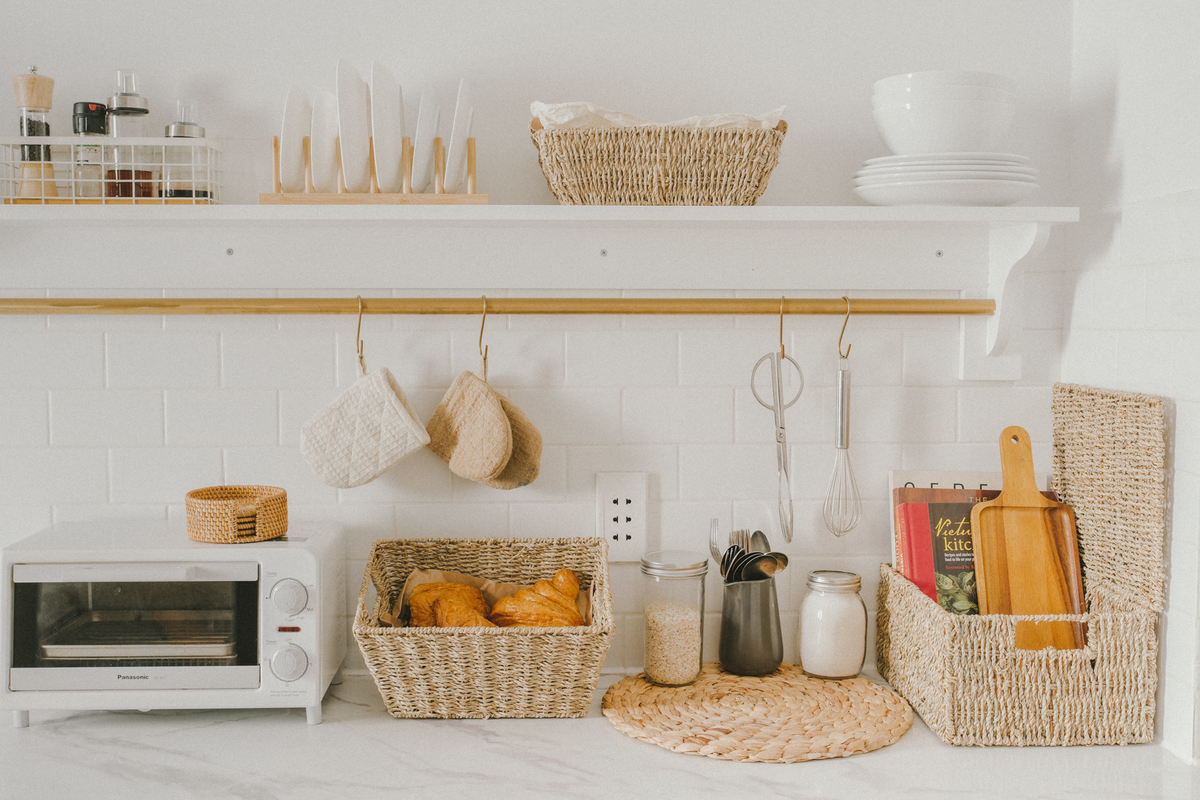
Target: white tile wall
(134,418)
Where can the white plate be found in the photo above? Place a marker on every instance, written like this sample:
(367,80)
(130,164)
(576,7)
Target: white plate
(427,124)
(354,128)
(456,153)
(974,166)
(297,123)
(962,175)
(324,142)
(946,193)
(387,128)
(949,158)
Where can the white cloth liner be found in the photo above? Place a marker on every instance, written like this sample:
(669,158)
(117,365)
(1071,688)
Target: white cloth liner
(558,116)
(362,433)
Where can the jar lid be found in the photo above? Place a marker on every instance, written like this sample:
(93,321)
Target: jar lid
(675,564)
(128,104)
(89,118)
(833,580)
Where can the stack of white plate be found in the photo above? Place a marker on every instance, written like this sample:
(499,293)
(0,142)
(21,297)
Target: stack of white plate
(957,179)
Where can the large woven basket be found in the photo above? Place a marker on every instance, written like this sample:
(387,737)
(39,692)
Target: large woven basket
(657,165)
(236,514)
(964,675)
(485,672)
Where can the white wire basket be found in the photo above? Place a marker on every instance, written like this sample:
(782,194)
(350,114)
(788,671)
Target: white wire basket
(101,170)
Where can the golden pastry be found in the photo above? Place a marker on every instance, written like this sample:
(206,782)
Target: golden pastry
(420,602)
(543,606)
(449,612)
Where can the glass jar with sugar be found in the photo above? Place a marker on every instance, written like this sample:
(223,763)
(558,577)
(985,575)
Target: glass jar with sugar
(833,625)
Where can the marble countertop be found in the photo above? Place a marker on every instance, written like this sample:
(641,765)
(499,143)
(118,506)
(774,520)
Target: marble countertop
(361,752)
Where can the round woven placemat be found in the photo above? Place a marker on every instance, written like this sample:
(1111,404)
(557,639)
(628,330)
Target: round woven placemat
(780,718)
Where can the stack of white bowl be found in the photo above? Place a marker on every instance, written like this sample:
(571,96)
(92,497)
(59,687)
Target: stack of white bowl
(947,131)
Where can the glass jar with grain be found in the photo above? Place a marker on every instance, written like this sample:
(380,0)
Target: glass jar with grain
(674,609)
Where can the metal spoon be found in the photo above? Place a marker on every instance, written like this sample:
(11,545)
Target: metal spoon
(759,543)
(728,558)
(760,565)
(781,558)
(737,569)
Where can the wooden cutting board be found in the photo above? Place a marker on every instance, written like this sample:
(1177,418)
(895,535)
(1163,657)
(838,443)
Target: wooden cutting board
(1026,553)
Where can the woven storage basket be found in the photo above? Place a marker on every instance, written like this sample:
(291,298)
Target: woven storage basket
(964,675)
(657,165)
(236,514)
(485,672)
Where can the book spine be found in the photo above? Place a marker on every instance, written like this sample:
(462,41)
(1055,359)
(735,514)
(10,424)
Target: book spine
(898,543)
(918,545)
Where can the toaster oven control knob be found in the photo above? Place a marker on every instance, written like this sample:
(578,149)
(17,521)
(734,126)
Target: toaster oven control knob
(289,596)
(289,663)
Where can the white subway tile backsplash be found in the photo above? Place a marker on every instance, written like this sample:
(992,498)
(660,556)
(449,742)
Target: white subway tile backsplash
(1119,302)
(725,357)
(297,406)
(222,418)
(19,521)
(1184,509)
(661,462)
(42,359)
(363,524)
(282,359)
(515,358)
(1043,298)
(810,419)
(738,472)
(452,521)
(685,526)
(664,415)
(164,475)
(572,415)
(24,417)
(38,475)
(163,360)
(284,467)
(541,520)
(550,486)
(903,414)
(90,512)
(622,358)
(415,359)
(984,413)
(929,356)
(106,418)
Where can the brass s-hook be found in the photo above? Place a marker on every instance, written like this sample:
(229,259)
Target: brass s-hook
(482,349)
(843,333)
(782,354)
(362,365)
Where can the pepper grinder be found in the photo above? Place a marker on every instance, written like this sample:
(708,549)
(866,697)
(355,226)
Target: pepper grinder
(35,96)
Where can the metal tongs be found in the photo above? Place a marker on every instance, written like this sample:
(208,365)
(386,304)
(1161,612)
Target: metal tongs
(781,449)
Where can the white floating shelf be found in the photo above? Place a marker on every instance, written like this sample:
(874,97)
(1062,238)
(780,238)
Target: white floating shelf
(964,252)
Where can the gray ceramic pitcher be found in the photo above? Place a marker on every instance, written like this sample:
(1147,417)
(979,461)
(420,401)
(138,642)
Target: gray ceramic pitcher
(751,639)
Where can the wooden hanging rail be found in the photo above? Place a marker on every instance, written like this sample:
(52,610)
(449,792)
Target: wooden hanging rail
(495,305)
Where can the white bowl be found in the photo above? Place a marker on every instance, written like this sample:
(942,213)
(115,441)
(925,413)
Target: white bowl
(944,127)
(943,77)
(926,166)
(945,91)
(946,193)
(950,158)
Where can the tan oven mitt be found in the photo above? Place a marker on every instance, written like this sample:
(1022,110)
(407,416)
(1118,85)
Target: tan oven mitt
(523,464)
(359,436)
(470,431)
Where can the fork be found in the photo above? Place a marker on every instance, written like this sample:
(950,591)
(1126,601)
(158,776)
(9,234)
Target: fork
(740,537)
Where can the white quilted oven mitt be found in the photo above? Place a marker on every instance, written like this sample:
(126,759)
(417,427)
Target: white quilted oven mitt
(357,437)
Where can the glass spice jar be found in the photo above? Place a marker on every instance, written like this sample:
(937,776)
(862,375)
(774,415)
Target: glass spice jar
(833,625)
(674,608)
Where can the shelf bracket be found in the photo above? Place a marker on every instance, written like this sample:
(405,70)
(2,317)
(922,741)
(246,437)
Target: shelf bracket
(984,353)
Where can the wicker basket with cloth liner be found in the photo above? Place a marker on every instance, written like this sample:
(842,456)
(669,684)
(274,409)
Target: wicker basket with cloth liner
(480,673)
(657,165)
(236,514)
(964,674)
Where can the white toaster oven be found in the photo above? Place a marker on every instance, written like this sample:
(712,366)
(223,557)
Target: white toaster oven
(136,615)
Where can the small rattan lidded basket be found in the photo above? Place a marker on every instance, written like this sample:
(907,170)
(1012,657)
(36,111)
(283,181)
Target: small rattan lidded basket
(236,514)
(481,673)
(657,165)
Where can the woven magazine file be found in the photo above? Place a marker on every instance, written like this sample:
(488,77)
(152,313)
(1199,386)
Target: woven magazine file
(479,673)
(657,165)
(964,675)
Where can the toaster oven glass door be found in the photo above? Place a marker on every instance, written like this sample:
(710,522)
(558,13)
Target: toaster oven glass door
(138,625)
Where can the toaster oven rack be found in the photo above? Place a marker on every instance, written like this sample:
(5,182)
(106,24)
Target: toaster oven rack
(123,636)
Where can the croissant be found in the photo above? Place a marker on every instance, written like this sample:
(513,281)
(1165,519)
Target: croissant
(420,602)
(543,606)
(451,613)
